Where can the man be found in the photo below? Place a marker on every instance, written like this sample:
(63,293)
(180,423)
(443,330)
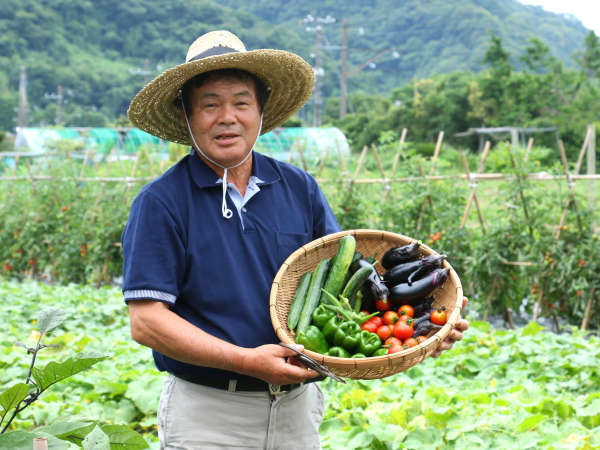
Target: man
(204,241)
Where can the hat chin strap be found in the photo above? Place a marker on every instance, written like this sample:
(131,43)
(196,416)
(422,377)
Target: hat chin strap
(225,211)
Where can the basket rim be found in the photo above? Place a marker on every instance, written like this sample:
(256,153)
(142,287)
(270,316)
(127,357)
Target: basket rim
(423,349)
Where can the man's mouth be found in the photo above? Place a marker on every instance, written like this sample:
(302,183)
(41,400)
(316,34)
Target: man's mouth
(225,136)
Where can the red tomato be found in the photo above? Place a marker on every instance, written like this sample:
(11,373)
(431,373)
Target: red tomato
(406,310)
(404,318)
(403,330)
(383,305)
(421,339)
(384,332)
(390,317)
(395,349)
(377,320)
(392,341)
(369,326)
(410,342)
(438,316)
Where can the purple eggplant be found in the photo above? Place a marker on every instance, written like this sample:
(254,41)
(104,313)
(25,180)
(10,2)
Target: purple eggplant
(404,294)
(373,288)
(425,327)
(399,255)
(412,270)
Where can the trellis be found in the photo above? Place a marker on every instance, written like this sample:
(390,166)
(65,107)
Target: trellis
(132,177)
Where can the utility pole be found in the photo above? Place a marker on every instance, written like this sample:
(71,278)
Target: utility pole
(23,117)
(59,102)
(343,86)
(318,75)
(318,69)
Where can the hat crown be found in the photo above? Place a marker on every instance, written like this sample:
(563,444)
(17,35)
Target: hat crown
(214,39)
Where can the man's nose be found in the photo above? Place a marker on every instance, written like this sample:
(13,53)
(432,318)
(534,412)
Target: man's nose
(227,114)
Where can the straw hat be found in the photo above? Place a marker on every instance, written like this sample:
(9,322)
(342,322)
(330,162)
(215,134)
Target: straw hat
(287,76)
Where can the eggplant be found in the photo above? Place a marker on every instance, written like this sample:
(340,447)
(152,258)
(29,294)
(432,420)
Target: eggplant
(412,270)
(399,255)
(404,294)
(424,328)
(374,288)
(423,307)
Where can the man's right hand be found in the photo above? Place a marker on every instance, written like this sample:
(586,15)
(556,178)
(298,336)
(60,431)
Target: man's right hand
(275,364)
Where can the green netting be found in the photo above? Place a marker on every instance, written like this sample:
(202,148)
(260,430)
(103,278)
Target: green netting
(137,138)
(103,139)
(314,142)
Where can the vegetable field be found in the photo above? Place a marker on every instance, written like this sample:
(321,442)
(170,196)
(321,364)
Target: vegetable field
(523,388)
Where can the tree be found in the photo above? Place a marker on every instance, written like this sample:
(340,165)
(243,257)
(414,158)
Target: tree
(589,61)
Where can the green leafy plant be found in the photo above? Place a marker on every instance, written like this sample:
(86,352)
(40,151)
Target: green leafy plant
(22,395)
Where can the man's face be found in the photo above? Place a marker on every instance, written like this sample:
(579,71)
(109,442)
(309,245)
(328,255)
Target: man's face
(225,118)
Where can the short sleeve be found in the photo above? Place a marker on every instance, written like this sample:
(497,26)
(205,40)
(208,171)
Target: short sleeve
(153,252)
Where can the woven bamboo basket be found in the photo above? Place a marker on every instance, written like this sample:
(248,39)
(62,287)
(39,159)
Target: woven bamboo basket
(368,242)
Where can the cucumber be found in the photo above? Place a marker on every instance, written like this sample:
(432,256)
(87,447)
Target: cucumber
(313,295)
(340,266)
(298,301)
(356,257)
(356,281)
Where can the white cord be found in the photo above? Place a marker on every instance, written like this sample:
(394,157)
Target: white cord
(225,211)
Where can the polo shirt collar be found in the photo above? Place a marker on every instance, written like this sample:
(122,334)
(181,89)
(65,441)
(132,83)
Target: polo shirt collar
(205,177)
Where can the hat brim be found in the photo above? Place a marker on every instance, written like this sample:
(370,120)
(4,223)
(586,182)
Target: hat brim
(289,79)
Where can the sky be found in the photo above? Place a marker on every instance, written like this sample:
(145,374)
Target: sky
(587,11)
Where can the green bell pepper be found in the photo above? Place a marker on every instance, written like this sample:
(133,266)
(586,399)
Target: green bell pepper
(331,327)
(359,355)
(347,335)
(368,342)
(381,351)
(321,316)
(338,352)
(313,340)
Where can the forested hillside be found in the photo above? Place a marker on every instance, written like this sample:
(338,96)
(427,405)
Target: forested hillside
(101,52)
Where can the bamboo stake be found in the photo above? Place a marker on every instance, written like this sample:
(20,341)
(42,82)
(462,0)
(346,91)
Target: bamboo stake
(301,153)
(528,150)
(360,162)
(33,183)
(291,154)
(341,156)
(571,185)
(396,159)
(397,156)
(135,163)
(84,163)
(322,163)
(588,310)
(521,193)
(473,194)
(40,443)
(147,155)
(436,153)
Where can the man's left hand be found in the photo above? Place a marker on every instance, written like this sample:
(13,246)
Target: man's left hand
(455,335)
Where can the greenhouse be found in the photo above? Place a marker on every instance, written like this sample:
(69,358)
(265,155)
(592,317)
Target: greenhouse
(282,143)
(285,144)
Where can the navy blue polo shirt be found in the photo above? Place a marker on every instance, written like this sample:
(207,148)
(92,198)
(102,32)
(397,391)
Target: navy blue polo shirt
(215,272)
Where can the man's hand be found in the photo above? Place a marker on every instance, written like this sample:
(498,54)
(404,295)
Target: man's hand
(455,335)
(276,364)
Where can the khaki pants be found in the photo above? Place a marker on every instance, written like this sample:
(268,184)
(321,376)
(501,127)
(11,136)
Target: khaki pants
(195,417)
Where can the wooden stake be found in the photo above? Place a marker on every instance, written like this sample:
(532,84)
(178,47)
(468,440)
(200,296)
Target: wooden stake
(473,195)
(521,193)
(436,153)
(301,153)
(400,148)
(360,162)
(571,185)
(40,443)
(588,310)
(322,163)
